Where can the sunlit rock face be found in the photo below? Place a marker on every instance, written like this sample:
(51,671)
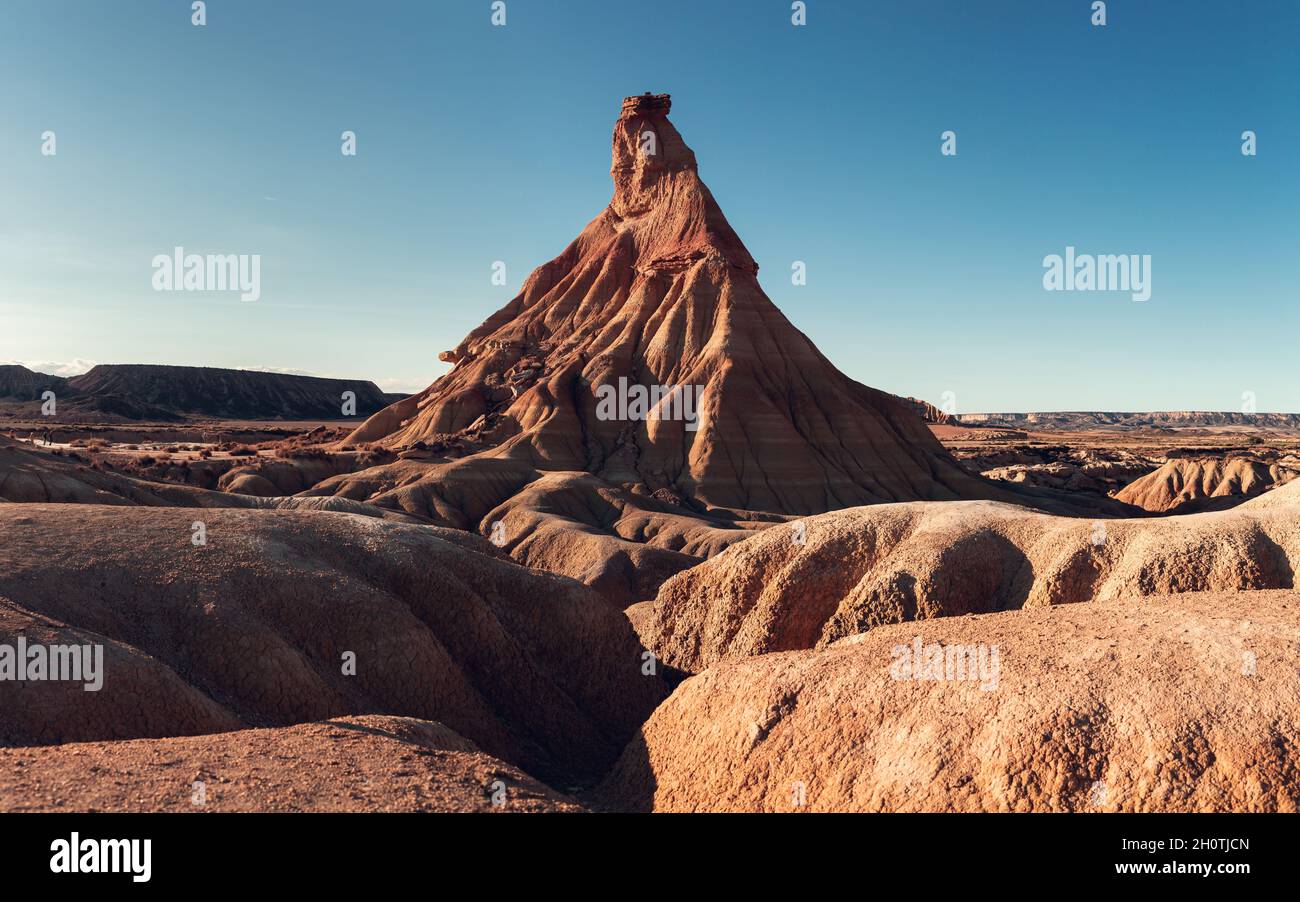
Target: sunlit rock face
(659,291)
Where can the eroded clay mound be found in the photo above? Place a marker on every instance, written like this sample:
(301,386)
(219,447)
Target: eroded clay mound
(819,579)
(1184,484)
(348,764)
(622,544)
(1282,497)
(1097,470)
(275,477)
(37,476)
(29,475)
(1153,704)
(148,699)
(659,291)
(263,618)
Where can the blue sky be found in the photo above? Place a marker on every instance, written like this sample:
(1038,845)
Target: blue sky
(821,143)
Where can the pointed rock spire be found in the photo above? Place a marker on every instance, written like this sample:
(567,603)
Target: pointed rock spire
(658,294)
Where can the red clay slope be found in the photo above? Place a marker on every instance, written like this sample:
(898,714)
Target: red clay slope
(660,290)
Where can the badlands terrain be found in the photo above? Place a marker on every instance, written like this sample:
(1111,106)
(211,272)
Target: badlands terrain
(796,593)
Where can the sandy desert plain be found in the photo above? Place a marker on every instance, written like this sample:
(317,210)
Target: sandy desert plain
(530,588)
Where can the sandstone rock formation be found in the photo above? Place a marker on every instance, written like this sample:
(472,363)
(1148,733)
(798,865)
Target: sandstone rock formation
(927,411)
(1189,484)
(246,482)
(1138,704)
(867,567)
(1071,469)
(256,627)
(658,290)
(29,475)
(363,764)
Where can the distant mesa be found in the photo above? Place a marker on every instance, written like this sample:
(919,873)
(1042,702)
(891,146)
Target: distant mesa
(18,383)
(170,393)
(1165,419)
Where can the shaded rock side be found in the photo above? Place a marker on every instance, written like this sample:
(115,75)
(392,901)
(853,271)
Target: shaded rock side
(259,625)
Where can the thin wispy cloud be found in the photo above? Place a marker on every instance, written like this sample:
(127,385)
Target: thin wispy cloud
(65,368)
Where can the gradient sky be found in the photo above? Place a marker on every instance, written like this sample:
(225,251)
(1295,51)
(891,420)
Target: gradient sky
(821,143)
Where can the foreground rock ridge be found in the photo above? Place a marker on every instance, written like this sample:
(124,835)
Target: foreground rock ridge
(255,628)
(1190,703)
(361,764)
(822,579)
(659,290)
